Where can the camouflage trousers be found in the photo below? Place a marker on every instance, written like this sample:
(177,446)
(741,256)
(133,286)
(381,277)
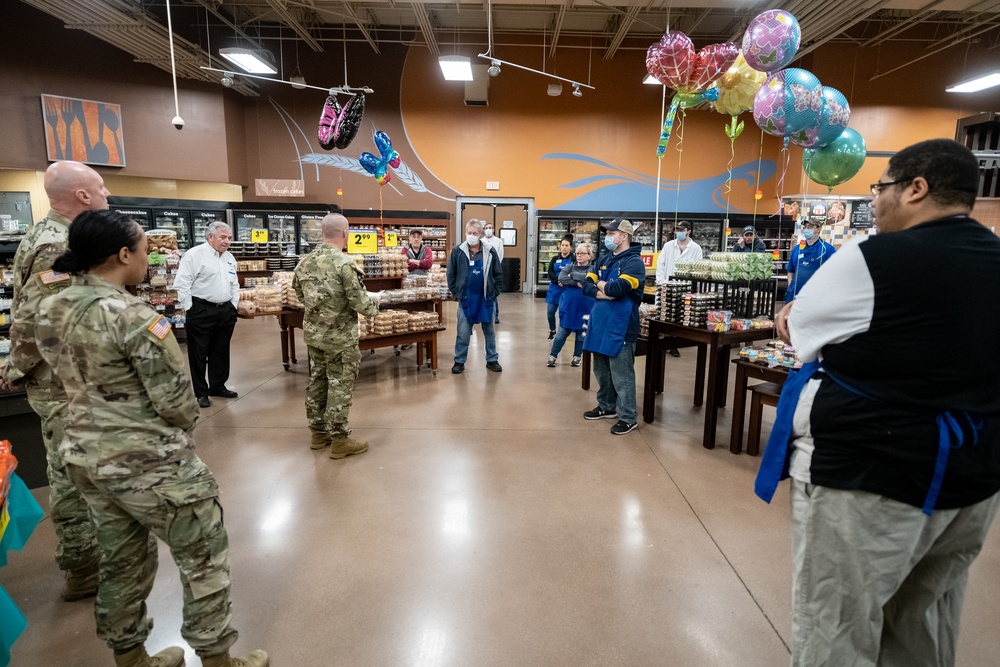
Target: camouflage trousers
(76,546)
(178,503)
(331,389)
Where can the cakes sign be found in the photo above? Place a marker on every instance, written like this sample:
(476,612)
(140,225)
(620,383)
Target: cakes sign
(279,187)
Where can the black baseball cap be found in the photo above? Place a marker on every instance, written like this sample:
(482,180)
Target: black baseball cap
(749,230)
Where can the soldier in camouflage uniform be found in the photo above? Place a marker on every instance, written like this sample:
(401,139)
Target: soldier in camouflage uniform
(328,283)
(72,188)
(128,447)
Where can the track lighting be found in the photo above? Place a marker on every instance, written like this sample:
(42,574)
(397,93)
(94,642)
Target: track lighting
(494,69)
(577,92)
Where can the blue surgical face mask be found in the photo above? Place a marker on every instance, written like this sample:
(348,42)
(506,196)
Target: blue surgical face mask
(681,236)
(808,233)
(609,243)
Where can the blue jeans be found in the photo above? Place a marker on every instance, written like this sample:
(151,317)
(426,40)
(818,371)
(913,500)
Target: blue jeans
(550,311)
(616,382)
(560,340)
(464,333)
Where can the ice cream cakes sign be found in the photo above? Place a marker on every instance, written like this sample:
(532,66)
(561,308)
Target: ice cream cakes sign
(279,187)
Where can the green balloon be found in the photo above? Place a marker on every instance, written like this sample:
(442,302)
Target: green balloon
(836,162)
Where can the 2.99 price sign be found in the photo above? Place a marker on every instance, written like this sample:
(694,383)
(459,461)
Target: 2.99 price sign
(362,242)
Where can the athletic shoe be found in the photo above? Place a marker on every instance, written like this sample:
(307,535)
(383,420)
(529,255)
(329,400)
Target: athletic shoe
(552,334)
(623,427)
(551,363)
(598,413)
(494,366)
(575,361)
(457,368)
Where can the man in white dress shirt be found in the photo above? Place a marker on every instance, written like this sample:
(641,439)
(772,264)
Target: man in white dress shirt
(681,249)
(208,289)
(496,243)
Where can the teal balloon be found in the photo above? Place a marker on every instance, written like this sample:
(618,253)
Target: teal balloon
(836,162)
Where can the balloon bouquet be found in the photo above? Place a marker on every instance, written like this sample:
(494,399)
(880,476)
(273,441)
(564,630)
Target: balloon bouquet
(793,104)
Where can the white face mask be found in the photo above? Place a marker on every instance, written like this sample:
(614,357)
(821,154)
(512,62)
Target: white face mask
(488,233)
(472,239)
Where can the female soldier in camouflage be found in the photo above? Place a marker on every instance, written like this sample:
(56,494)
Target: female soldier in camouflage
(128,447)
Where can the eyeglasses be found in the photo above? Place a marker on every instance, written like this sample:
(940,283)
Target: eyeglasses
(878,187)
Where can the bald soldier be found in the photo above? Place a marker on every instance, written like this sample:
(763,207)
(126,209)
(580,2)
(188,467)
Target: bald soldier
(328,283)
(72,188)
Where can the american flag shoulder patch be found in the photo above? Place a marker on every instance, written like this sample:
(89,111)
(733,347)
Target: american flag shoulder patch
(160,328)
(50,276)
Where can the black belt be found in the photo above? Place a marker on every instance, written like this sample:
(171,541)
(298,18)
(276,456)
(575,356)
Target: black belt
(209,303)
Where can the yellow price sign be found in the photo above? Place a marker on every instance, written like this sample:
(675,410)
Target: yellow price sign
(362,242)
(390,240)
(258,235)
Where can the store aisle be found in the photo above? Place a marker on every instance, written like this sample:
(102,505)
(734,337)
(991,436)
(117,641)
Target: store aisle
(489,524)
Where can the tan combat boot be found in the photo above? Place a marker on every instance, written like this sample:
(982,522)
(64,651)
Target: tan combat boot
(137,657)
(80,584)
(256,658)
(319,440)
(346,446)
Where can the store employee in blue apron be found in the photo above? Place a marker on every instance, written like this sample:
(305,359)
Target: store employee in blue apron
(806,258)
(617,284)
(474,278)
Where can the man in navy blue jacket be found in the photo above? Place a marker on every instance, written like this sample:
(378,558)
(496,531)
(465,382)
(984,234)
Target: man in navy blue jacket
(894,453)
(614,325)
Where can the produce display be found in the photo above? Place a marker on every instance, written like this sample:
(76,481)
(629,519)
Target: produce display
(728,266)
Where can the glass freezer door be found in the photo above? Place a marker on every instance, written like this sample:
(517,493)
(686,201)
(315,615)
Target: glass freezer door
(141,215)
(550,233)
(177,222)
(202,219)
(310,231)
(281,229)
(246,222)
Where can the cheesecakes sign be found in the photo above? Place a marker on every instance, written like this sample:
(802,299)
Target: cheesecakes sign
(279,187)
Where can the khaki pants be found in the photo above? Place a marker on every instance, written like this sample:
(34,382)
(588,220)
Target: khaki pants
(178,503)
(331,389)
(76,547)
(876,581)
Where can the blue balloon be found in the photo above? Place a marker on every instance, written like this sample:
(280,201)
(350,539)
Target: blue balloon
(803,100)
(836,115)
(369,162)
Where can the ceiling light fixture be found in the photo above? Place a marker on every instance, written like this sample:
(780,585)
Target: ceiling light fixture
(494,69)
(247,60)
(577,92)
(975,85)
(571,82)
(555,89)
(456,68)
(229,77)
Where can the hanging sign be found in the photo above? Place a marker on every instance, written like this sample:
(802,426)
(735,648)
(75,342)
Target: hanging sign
(258,235)
(362,242)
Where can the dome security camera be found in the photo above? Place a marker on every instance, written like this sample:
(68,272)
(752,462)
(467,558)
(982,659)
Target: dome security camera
(227,81)
(178,122)
(494,69)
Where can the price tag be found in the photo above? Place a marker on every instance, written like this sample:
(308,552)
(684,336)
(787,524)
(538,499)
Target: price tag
(389,239)
(258,235)
(362,242)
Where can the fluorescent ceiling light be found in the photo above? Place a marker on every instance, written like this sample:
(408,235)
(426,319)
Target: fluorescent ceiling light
(456,68)
(650,79)
(247,60)
(975,85)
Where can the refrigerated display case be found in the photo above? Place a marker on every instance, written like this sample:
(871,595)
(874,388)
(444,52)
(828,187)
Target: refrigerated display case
(310,231)
(143,216)
(281,229)
(176,220)
(281,220)
(201,219)
(245,222)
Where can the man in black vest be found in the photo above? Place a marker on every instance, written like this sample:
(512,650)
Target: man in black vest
(893,449)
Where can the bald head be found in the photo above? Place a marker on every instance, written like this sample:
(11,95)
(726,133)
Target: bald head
(335,230)
(73,188)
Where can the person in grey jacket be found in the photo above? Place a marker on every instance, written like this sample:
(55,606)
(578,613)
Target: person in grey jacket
(574,305)
(474,278)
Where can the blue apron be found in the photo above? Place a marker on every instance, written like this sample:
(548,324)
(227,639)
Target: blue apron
(475,305)
(574,305)
(555,289)
(609,320)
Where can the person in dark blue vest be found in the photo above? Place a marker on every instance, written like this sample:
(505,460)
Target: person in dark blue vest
(475,278)
(806,258)
(555,289)
(892,447)
(613,328)
(574,305)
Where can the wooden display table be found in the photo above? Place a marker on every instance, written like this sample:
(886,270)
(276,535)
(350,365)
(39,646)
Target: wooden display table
(378,283)
(745,370)
(712,346)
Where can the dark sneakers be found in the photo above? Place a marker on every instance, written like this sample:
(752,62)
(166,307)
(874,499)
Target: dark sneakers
(494,366)
(223,393)
(623,427)
(598,413)
(457,368)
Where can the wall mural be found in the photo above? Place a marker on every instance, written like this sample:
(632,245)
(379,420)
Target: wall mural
(83,130)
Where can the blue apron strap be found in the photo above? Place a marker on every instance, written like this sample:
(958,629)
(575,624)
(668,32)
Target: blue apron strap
(774,463)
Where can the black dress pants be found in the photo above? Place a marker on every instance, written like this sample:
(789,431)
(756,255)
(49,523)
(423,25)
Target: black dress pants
(209,330)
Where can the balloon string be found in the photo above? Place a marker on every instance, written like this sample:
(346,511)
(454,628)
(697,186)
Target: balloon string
(784,170)
(729,168)
(760,161)
(659,164)
(680,154)
(668,124)
(380,204)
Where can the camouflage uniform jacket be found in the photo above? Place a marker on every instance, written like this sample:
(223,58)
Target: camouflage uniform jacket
(131,404)
(328,283)
(34,280)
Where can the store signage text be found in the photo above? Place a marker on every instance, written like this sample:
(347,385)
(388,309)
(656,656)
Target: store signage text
(279,187)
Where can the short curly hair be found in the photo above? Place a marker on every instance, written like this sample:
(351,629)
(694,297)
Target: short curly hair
(950,169)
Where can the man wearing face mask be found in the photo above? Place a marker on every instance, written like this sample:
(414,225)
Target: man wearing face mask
(495,243)
(613,327)
(474,278)
(749,241)
(681,249)
(806,258)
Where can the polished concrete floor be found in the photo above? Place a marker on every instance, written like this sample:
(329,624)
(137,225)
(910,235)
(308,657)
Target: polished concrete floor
(489,524)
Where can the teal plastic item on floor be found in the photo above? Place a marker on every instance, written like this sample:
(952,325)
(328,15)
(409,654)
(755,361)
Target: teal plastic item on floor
(18,518)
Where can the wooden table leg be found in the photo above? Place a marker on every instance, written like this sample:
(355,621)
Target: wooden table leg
(739,410)
(291,344)
(723,374)
(649,379)
(699,375)
(711,407)
(585,367)
(420,354)
(661,372)
(434,351)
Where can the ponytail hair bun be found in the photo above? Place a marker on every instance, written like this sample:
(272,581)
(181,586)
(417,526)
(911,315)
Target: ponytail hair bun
(68,262)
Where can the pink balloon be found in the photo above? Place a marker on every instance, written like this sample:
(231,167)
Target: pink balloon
(673,62)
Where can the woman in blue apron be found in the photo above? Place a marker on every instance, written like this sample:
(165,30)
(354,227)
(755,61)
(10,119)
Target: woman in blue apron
(574,305)
(564,258)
